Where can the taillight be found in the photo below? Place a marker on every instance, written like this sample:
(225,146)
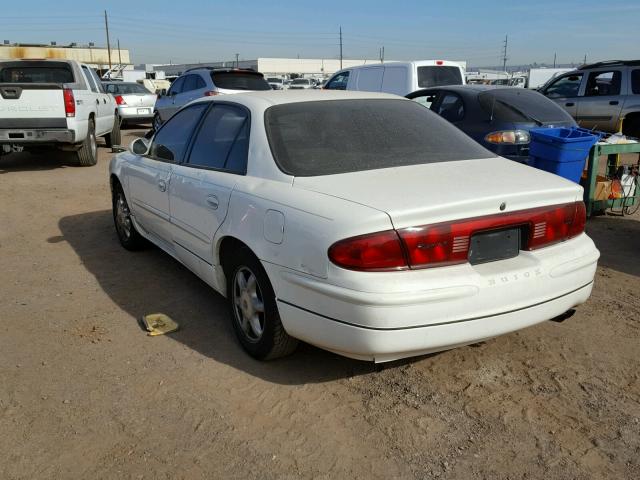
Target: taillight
(447,243)
(69,102)
(376,251)
(210,93)
(120,100)
(509,137)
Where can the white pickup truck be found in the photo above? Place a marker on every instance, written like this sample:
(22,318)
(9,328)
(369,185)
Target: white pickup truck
(55,103)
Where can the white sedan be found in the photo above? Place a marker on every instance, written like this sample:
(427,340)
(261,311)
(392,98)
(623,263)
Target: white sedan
(358,222)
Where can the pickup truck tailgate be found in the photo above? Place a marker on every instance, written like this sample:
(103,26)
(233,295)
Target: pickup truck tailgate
(37,105)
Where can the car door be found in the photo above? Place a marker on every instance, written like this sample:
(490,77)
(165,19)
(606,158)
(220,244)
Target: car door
(93,100)
(149,175)
(565,91)
(107,104)
(600,106)
(166,105)
(201,186)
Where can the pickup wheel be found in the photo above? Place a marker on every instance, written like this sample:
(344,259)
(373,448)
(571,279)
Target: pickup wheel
(87,156)
(114,138)
(126,230)
(254,312)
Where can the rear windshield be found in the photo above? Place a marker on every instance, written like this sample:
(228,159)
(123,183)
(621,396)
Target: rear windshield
(300,81)
(274,80)
(521,105)
(51,73)
(126,88)
(436,76)
(341,136)
(239,81)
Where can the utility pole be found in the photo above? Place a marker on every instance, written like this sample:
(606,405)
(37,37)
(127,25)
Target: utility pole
(554,60)
(340,47)
(585,59)
(381,54)
(106,26)
(119,56)
(504,53)
(237,63)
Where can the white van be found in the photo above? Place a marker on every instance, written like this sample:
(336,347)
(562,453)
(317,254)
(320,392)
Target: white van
(400,78)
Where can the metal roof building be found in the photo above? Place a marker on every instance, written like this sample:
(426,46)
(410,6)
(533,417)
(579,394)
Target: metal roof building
(97,57)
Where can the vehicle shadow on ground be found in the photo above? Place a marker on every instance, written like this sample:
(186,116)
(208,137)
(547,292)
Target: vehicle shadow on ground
(618,239)
(151,281)
(27,162)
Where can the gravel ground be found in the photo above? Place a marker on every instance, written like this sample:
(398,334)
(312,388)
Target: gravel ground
(84,393)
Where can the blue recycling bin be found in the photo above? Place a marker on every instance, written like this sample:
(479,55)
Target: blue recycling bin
(562,150)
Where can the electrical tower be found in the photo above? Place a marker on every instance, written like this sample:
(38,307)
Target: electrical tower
(504,53)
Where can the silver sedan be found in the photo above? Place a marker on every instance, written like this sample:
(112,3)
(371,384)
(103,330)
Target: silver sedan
(135,103)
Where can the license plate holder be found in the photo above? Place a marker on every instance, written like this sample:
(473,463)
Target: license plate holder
(494,245)
(143,111)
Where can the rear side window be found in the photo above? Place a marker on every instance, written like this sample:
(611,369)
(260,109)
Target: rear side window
(436,76)
(54,73)
(90,81)
(223,141)
(338,82)
(521,105)
(603,83)
(341,136)
(635,81)
(170,143)
(239,81)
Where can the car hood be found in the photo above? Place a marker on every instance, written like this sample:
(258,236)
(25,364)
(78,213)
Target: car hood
(420,194)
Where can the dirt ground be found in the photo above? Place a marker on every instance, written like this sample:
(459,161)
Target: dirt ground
(85,394)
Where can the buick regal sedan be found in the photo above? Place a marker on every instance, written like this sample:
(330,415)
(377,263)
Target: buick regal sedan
(362,223)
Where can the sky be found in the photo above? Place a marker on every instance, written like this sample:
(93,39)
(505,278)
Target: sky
(187,31)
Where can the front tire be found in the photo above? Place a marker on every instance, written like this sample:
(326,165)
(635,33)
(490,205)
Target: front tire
(125,229)
(87,155)
(254,313)
(114,138)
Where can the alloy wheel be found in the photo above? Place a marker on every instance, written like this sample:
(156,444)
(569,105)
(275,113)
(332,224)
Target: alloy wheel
(248,304)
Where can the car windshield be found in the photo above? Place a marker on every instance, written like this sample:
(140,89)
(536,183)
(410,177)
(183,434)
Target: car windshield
(341,136)
(436,76)
(239,81)
(126,88)
(50,73)
(520,105)
(300,81)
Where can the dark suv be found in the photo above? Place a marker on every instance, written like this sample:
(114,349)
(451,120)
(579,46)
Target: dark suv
(203,82)
(600,94)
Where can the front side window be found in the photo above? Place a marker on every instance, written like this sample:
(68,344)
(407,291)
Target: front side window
(222,142)
(193,82)
(170,143)
(603,83)
(450,107)
(338,82)
(340,136)
(564,87)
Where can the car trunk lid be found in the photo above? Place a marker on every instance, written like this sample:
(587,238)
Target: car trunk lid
(439,192)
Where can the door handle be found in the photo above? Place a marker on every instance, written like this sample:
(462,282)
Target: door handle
(104,100)
(569,104)
(212,201)
(162,185)
(97,102)
(613,102)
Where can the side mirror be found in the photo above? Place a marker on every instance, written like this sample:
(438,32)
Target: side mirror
(163,92)
(140,146)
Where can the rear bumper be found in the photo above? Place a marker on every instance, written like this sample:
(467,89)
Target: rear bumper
(35,136)
(383,345)
(131,113)
(388,315)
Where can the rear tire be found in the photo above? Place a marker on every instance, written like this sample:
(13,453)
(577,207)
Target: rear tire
(253,308)
(87,155)
(114,138)
(125,229)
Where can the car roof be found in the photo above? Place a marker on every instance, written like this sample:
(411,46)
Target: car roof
(261,100)
(469,89)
